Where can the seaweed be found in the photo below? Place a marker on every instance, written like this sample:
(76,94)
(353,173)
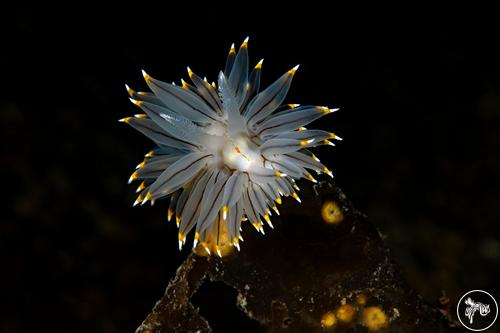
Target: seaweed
(325,268)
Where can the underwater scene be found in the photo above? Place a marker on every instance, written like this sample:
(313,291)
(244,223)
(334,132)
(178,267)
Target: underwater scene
(166,172)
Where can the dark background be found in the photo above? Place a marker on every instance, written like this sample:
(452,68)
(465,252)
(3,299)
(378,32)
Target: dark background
(420,118)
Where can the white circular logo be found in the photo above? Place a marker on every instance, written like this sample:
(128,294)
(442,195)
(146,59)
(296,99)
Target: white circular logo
(477,310)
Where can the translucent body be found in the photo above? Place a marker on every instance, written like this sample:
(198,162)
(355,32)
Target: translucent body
(225,153)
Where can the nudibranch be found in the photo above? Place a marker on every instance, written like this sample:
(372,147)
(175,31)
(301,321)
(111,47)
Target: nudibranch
(225,152)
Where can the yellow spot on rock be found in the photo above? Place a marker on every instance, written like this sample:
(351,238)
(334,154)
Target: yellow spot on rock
(331,212)
(361,299)
(374,318)
(328,320)
(346,313)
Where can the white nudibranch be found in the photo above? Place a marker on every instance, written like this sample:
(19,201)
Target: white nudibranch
(226,152)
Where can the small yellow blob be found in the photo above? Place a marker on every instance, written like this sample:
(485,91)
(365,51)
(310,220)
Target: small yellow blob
(361,299)
(374,318)
(328,320)
(331,212)
(346,313)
